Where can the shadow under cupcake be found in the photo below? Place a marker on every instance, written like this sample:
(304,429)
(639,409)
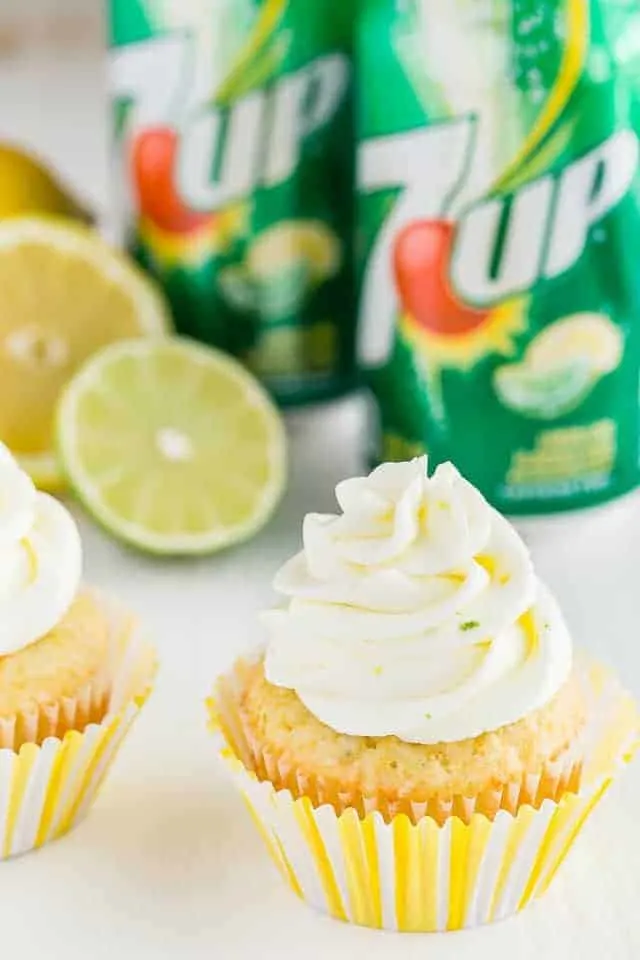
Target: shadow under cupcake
(418,746)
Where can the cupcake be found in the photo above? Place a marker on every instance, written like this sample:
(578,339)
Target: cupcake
(73,669)
(418,741)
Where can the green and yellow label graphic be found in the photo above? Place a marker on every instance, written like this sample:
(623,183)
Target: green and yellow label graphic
(234,153)
(499,253)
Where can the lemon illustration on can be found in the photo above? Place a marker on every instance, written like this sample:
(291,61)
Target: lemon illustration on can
(291,242)
(589,336)
(287,261)
(561,366)
(283,265)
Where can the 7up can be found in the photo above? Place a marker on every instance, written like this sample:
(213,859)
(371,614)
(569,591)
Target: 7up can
(499,241)
(233,124)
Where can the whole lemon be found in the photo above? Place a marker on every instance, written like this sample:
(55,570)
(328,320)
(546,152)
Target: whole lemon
(28,186)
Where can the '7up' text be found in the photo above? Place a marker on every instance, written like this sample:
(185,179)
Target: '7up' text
(226,152)
(504,243)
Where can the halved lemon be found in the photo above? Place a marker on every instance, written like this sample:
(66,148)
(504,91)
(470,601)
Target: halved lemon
(592,337)
(174,447)
(65,294)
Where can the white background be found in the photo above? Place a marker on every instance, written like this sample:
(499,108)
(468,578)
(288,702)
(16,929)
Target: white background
(168,865)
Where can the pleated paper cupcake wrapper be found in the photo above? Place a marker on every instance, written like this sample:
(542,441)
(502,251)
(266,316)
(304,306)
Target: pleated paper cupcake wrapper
(412,871)
(46,788)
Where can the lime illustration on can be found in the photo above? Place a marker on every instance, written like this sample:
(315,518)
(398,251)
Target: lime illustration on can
(233,152)
(499,239)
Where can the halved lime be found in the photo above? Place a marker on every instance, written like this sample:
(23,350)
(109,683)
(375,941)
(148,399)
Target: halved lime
(172,446)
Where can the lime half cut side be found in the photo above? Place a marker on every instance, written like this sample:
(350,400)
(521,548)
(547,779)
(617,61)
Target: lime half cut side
(172,446)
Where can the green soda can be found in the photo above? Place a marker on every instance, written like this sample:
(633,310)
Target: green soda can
(499,241)
(233,142)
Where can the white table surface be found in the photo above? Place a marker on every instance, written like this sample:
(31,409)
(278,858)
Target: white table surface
(167,865)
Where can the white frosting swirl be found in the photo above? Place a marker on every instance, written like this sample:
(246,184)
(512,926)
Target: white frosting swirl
(40,559)
(415,613)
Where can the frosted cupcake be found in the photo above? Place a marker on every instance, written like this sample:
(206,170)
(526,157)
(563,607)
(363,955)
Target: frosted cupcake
(418,742)
(73,671)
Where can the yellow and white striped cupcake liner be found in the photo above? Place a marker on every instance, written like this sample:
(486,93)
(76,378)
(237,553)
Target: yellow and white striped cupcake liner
(410,874)
(46,789)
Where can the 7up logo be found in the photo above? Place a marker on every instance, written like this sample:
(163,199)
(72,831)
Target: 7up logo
(448,273)
(191,157)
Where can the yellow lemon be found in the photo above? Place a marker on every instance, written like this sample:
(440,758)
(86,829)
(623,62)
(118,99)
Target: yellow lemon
(28,186)
(65,294)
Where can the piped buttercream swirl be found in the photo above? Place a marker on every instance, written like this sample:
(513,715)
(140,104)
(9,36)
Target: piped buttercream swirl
(415,612)
(40,559)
